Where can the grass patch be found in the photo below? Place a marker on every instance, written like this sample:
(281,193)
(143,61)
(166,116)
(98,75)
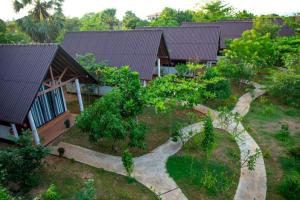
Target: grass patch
(69,178)
(215,179)
(265,122)
(158,132)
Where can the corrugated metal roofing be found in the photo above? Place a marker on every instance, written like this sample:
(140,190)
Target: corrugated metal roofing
(136,48)
(229,29)
(192,43)
(235,28)
(22,71)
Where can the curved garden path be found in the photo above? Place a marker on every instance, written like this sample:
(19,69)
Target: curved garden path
(150,169)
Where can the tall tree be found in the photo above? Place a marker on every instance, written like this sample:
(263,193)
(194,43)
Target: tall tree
(108,17)
(244,14)
(214,10)
(267,24)
(91,21)
(40,24)
(130,20)
(172,17)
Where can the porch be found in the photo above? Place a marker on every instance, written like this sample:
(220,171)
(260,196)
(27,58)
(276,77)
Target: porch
(53,129)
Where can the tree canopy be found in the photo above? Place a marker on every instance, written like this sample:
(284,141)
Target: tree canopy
(40,25)
(172,17)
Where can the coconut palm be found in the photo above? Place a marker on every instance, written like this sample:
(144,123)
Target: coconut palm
(44,20)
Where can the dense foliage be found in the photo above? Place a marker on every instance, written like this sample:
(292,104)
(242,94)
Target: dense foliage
(21,165)
(39,24)
(171,89)
(114,115)
(267,24)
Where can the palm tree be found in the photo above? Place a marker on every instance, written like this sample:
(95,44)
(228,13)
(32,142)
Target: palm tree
(40,25)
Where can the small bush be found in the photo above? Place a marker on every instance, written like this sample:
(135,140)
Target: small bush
(128,162)
(51,194)
(289,187)
(283,134)
(88,192)
(67,123)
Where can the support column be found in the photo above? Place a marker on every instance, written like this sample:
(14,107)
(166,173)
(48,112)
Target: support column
(158,67)
(63,97)
(79,95)
(33,129)
(144,83)
(14,129)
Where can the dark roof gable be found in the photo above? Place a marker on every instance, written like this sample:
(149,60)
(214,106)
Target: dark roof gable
(191,43)
(23,69)
(136,48)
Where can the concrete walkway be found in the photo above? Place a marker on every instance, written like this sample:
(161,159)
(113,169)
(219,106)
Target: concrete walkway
(252,184)
(150,169)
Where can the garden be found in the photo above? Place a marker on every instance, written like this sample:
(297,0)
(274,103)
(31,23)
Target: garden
(133,124)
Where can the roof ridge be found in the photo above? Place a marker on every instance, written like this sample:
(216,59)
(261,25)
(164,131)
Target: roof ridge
(114,31)
(32,44)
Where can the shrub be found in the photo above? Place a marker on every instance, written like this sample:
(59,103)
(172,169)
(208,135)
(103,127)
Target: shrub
(51,193)
(286,86)
(289,187)
(128,163)
(22,164)
(217,84)
(67,123)
(284,133)
(88,192)
(209,137)
(176,131)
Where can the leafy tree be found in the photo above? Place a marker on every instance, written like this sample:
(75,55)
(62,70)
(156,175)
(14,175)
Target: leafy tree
(244,14)
(252,48)
(114,115)
(91,21)
(22,164)
(40,25)
(267,24)
(217,84)
(172,17)
(51,193)
(108,17)
(70,25)
(2,26)
(171,89)
(214,10)
(127,161)
(88,192)
(181,69)
(10,34)
(4,195)
(130,20)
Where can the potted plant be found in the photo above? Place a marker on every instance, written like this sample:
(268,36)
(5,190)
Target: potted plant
(61,151)
(67,123)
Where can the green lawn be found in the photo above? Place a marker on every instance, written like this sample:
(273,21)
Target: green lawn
(264,123)
(69,177)
(188,168)
(158,132)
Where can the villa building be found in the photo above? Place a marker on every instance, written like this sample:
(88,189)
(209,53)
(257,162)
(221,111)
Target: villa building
(31,89)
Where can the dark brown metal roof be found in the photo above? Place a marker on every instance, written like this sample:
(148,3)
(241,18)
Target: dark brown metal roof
(138,49)
(235,28)
(23,68)
(191,43)
(229,29)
